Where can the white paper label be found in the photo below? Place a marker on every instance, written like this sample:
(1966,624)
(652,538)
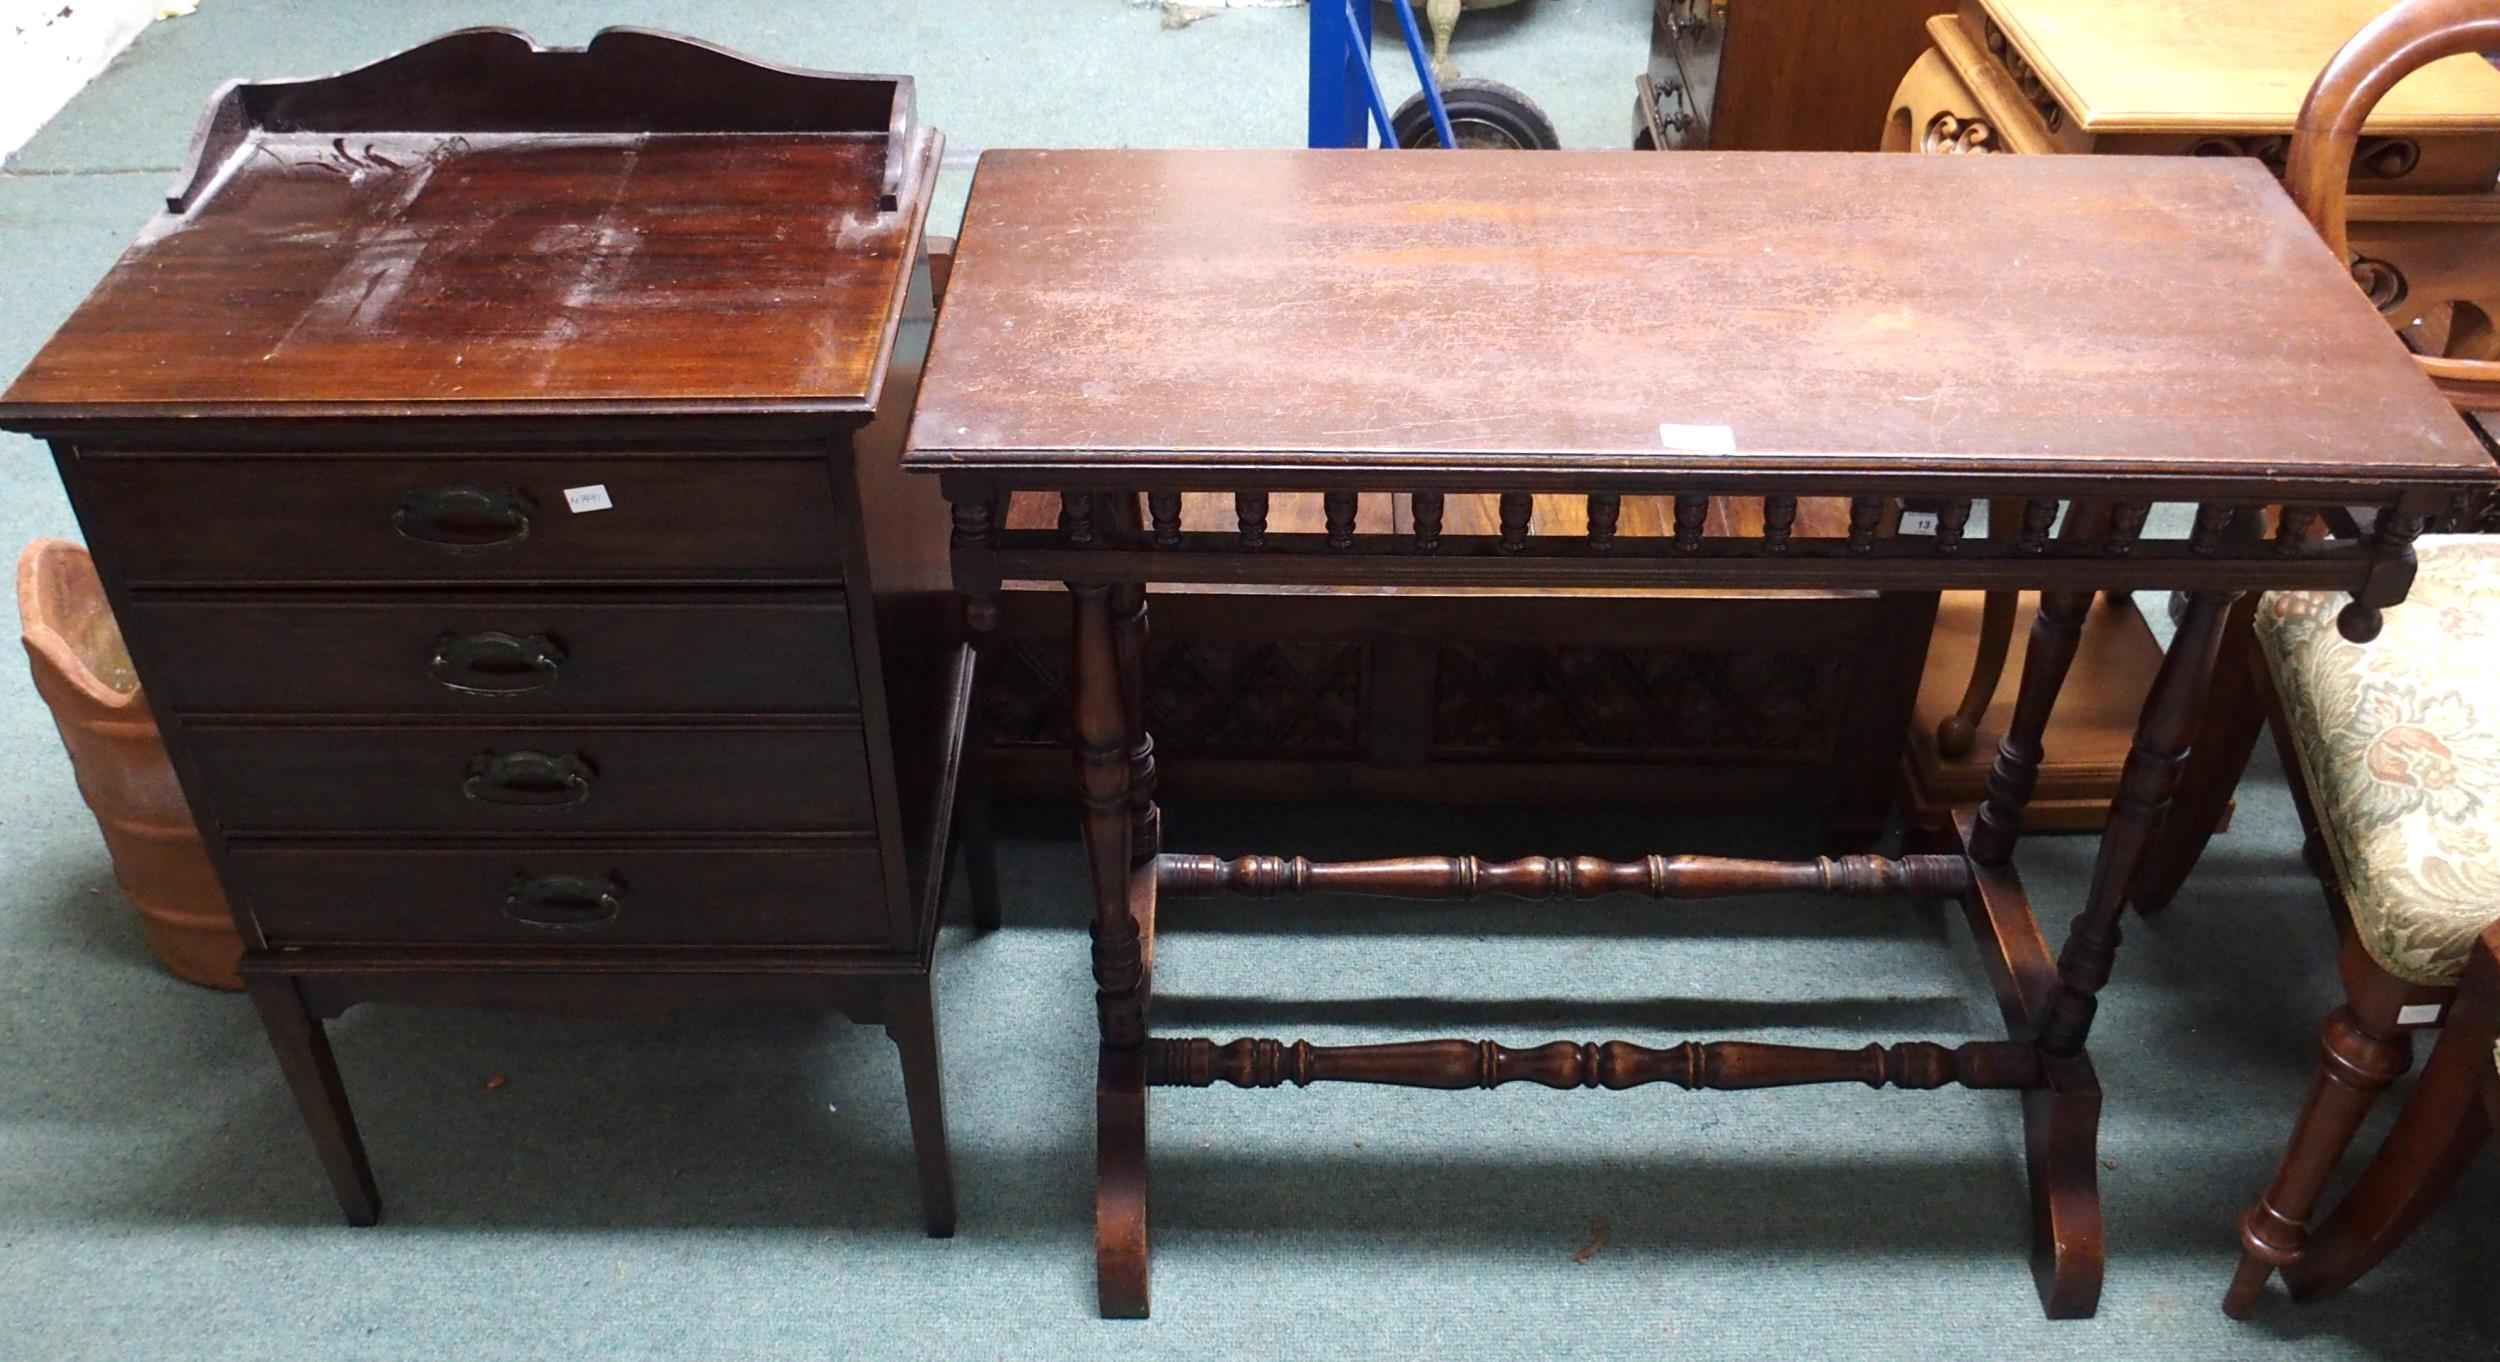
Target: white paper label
(1918,522)
(591,498)
(1697,439)
(2419,1014)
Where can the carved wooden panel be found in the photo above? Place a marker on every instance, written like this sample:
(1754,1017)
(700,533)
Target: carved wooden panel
(1493,699)
(1304,699)
(1284,698)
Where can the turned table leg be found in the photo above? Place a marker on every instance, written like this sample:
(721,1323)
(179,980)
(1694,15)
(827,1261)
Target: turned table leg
(1104,765)
(2064,1121)
(2055,633)
(1128,606)
(1128,616)
(2145,786)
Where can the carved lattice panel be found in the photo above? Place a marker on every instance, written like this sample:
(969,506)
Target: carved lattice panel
(1290,698)
(1506,701)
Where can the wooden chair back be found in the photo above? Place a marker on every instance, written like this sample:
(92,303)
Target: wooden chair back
(2399,42)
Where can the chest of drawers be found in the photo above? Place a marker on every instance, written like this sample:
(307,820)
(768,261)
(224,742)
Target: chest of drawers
(501,510)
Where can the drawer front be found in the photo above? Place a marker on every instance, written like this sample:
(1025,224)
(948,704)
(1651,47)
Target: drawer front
(216,518)
(814,895)
(486,655)
(546,781)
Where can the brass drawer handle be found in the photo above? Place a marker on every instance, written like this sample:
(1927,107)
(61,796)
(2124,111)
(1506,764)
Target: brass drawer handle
(463,518)
(529,780)
(563,903)
(494,663)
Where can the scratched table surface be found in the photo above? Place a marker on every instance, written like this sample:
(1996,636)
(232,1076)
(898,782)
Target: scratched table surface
(433,271)
(1717,313)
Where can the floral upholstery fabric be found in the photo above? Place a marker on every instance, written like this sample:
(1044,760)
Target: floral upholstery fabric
(2399,739)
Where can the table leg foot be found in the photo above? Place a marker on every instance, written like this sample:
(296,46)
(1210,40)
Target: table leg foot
(1121,1250)
(2068,1252)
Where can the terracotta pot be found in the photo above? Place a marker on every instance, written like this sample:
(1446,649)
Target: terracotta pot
(83,672)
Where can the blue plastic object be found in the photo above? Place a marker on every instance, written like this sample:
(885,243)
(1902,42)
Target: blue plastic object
(1344,90)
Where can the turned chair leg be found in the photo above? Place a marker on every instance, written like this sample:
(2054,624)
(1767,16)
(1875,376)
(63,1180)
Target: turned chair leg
(2446,1119)
(2359,1057)
(1442,16)
(1958,732)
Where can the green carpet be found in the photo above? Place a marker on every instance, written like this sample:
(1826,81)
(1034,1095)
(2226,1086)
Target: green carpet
(725,1190)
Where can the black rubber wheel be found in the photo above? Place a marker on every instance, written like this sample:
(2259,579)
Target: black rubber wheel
(1483,113)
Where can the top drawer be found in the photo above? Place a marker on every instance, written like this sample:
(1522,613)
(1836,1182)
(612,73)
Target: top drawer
(194,518)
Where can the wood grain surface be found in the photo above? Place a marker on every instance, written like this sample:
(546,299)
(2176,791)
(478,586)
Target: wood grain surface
(1295,311)
(391,271)
(2145,65)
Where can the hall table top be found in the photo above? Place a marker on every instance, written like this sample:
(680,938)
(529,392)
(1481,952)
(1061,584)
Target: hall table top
(1726,322)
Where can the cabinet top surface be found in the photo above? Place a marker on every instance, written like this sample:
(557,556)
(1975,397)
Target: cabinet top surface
(2225,65)
(1306,311)
(645,224)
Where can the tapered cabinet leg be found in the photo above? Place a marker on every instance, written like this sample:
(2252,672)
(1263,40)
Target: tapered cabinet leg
(972,822)
(2069,1253)
(912,1024)
(1121,1253)
(312,1074)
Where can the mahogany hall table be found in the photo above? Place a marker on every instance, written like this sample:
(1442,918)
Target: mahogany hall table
(1127,327)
